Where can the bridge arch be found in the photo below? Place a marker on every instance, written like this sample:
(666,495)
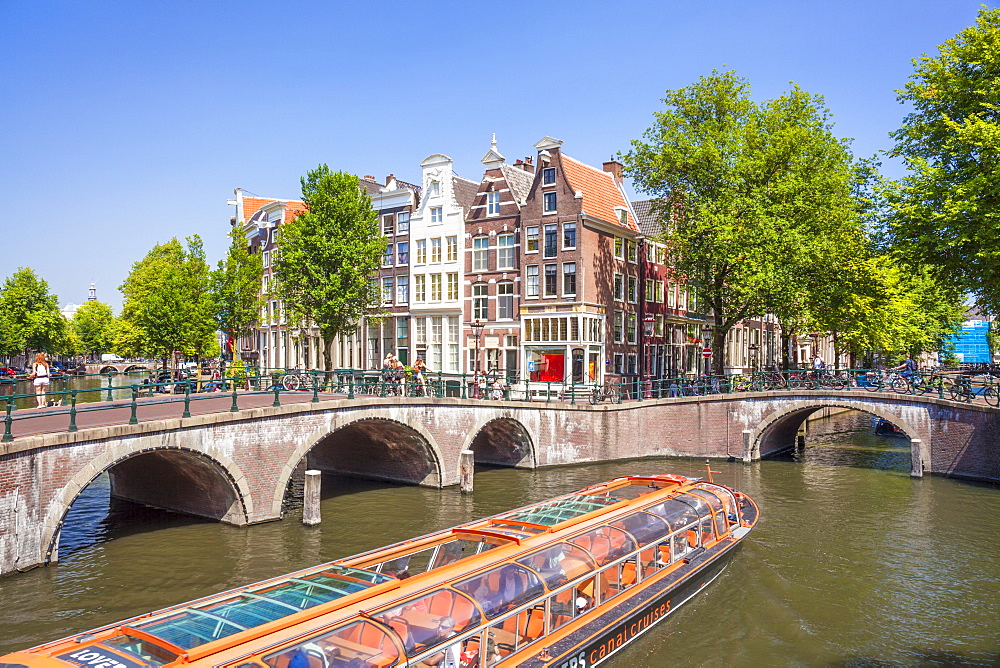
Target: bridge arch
(777,431)
(369,444)
(184,480)
(502,441)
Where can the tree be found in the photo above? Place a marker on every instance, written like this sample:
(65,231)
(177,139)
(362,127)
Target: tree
(29,316)
(327,256)
(947,209)
(93,324)
(752,194)
(235,287)
(167,302)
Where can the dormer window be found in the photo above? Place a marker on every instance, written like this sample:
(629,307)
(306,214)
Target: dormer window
(548,176)
(623,217)
(492,204)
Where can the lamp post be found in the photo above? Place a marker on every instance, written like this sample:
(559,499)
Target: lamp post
(647,332)
(477,330)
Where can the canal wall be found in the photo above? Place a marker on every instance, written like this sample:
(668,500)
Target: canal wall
(236,467)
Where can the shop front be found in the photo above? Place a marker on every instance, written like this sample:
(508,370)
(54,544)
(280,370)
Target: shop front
(564,349)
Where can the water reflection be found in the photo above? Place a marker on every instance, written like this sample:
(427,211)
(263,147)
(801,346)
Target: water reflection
(853,562)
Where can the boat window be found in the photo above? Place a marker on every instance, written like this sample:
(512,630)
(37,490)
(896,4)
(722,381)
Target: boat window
(558,564)
(560,510)
(720,524)
(676,513)
(430,619)
(150,653)
(727,496)
(362,644)
(714,502)
(684,542)
(515,632)
(228,614)
(502,589)
(707,530)
(619,578)
(453,551)
(643,527)
(605,544)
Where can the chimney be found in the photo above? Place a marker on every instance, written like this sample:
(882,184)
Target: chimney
(614,168)
(369,178)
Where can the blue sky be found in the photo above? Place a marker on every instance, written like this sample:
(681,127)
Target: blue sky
(128,123)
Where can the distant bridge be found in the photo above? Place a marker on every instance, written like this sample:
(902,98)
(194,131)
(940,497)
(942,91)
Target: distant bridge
(235,467)
(120,367)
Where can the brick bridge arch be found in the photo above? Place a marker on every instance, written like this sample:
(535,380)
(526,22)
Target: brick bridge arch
(204,484)
(776,431)
(502,441)
(413,455)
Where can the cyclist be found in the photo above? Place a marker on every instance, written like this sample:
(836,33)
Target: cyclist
(908,367)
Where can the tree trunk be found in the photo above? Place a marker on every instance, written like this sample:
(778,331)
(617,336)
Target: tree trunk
(327,347)
(786,349)
(719,349)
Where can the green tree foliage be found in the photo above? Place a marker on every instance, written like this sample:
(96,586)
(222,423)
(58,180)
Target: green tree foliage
(756,196)
(947,210)
(29,316)
(327,256)
(167,302)
(94,326)
(235,287)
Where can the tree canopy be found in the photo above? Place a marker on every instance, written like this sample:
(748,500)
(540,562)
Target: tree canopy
(235,287)
(756,197)
(94,325)
(29,316)
(167,303)
(947,209)
(327,256)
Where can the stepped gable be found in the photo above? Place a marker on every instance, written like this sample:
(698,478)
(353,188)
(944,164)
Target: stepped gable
(599,191)
(518,180)
(649,223)
(465,193)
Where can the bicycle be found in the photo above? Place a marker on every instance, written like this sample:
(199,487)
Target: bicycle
(879,380)
(296,380)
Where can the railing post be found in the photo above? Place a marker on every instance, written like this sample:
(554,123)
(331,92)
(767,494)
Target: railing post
(234,408)
(110,380)
(464,388)
(72,411)
(133,419)
(350,385)
(277,391)
(7,422)
(440,387)
(572,396)
(548,391)
(315,378)
(187,401)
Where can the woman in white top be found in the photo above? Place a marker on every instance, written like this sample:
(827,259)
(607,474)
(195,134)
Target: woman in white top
(40,376)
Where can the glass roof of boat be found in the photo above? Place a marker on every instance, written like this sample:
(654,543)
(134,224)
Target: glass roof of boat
(241,610)
(560,510)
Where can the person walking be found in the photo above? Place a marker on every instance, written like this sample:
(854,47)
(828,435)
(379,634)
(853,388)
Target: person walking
(420,372)
(40,379)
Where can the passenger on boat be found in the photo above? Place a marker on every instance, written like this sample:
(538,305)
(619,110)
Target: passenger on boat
(451,656)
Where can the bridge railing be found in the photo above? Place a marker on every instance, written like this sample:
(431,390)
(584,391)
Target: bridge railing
(184,392)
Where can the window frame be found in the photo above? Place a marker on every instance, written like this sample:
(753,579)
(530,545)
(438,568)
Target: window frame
(548,176)
(569,276)
(493,203)
(550,202)
(505,250)
(532,281)
(480,253)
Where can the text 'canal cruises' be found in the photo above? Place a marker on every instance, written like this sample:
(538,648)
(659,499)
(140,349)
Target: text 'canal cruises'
(565,583)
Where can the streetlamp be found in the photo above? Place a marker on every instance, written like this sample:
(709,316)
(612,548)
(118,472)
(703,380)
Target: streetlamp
(477,330)
(647,330)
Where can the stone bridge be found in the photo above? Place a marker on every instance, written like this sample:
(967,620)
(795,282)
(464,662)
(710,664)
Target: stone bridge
(120,367)
(236,467)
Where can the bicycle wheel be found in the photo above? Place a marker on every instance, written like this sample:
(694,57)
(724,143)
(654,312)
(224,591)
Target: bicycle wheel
(871,382)
(957,392)
(290,381)
(834,382)
(898,384)
(990,395)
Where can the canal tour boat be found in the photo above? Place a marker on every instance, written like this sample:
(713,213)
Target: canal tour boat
(566,583)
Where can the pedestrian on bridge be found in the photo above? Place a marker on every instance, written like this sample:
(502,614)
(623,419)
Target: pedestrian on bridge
(40,378)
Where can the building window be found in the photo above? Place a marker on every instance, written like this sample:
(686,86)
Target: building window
(436,251)
(422,251)
(619,287)
(551,237)
(452,243)
(650,294)
(619,244)
(505,301)
(435,188)
(373,289)
(671,295)
(619,325)
(435,287)
(436,215)
(631,289)
(387,257)
(505,251)
(619,363)
(453,286)
(630,247)
(419,288)
(569,278)
(387,290)
(532,234)
(402,289)
(389,225)
(531,275)
(492,204)
(480,308)
(623,217)
(480,253)
(403,252)
(420,330)
(659,292)
(633,367)
(551,280)
(403,222)
(630,327)
(265,259)
(548,176)
(569,235)
(549,202)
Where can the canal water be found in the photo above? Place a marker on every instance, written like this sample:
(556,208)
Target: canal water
(89,389)
(853,563)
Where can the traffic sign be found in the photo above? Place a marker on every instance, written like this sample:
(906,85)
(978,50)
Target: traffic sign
(706,352)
